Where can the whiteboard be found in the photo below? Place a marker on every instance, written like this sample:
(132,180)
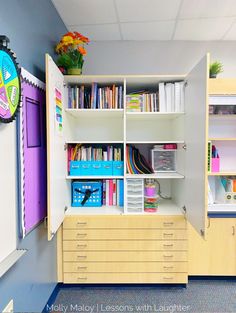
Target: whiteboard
(8,190)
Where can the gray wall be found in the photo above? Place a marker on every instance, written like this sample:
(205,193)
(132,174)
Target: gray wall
(159,57)
(33,27)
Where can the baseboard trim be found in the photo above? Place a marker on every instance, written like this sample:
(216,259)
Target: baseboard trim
(214,277)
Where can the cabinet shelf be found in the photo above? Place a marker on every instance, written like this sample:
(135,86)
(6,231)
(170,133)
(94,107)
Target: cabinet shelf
(153,115)
(103,210)
(95,113)
(233,173)
(154,141)
(222,208)
(95,142)
(223,139)
(68,177)
(166,207)
(156,175)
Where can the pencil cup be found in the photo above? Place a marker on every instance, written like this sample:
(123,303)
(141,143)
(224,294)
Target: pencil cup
(215,165)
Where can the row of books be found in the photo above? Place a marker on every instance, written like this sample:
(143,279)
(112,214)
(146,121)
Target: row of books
(90,153)
(113,192)
(171,97)
(142,102)
(81,97)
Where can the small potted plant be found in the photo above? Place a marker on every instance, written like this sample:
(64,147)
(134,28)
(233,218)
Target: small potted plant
(215,69)
(71,53)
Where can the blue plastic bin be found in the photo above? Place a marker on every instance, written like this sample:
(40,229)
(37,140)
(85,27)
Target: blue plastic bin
(95,200)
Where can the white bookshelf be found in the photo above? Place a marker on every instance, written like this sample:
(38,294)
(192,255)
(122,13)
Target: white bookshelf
(118,126)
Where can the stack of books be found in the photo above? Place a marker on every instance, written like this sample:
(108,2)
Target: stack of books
(113,192)
(171,97)
(81,97)
(142,102)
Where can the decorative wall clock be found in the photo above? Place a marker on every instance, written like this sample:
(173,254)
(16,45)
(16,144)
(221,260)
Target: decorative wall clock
(10,83)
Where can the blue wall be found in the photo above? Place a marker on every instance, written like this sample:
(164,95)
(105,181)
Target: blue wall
(33,27)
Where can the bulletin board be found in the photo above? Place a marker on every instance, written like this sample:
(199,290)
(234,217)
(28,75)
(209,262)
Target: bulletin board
(32,153)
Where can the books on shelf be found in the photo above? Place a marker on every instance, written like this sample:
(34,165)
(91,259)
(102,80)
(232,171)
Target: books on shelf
(90,153)
(113,192)
(171,97)
(142,102)
(168,98)
(95,97)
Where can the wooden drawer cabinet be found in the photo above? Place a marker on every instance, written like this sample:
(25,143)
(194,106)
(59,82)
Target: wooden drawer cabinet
(124,256)
(124,249)
(130,267)
(166,278)
(129,245)
(124,234)
(124,221)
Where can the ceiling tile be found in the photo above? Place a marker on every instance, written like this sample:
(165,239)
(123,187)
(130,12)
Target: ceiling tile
(207,8)
(147,10)
(202,29)
(147,31)
(98,32)
(80,12)
(231,35)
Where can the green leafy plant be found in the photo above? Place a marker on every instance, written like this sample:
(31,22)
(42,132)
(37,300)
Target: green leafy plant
(216,68)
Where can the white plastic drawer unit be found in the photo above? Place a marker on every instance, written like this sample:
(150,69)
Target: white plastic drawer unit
(135,195)
(163,160)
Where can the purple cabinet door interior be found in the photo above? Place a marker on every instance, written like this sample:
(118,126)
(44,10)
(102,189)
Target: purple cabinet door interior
(34,155)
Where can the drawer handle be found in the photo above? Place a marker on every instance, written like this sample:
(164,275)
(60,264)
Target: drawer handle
(168,223)
(168,256)
(81,235)
(81,256)
(168,278)
(169,245)
(81,223)
(81,268)
(81,246)
(168,267)
(81,278)
(165,234)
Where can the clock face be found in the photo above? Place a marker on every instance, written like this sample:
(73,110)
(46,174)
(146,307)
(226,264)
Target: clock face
(10,88)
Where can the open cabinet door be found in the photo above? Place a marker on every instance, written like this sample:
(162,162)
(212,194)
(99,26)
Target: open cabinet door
(196,129)
(56,155)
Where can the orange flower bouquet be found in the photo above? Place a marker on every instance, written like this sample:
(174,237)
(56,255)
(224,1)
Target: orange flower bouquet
(71,52)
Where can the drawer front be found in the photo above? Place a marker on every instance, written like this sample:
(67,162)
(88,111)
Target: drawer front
(125,267)
(84,278)
(111,245)
(124,256)
(124,221)
(124,234)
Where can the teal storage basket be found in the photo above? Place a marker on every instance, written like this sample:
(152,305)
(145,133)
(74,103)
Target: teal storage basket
(118,168)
